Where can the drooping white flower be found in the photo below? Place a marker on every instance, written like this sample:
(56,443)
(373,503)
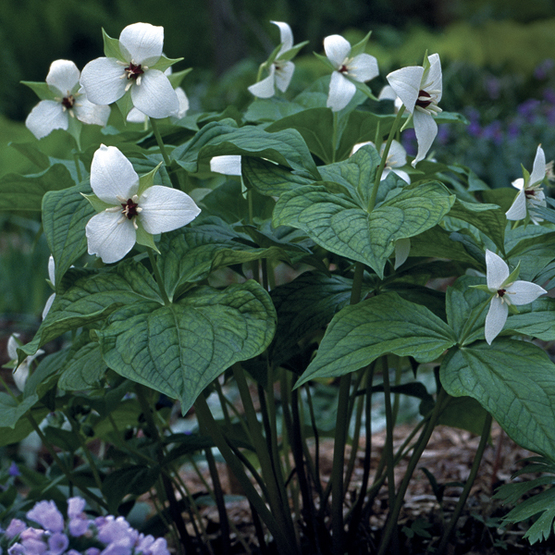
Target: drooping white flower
(52,278)
(229,164)
(131,210)
(139,68)
(63,100)
(420,89)
(20,372)
(505,292)
(396,158)
(530,193)
(347,69)
(281,69)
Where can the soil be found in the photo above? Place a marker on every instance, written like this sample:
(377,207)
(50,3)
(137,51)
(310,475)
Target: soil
(448,458)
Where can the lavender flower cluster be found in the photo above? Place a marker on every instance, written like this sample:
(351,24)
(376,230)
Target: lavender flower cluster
(104,535)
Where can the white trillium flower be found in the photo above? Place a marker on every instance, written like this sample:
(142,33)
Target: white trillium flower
(106,80)
(21,372)
(396,158)
(281,70)
(361,68)
(504,293)
(420,90)
(530,193)
(52,278)
(67,101)
(131,210)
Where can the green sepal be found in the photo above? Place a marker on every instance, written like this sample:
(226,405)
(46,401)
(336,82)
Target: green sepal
(326,60)
(272,57)
(147,180)
(364,88)
(425,62)
(125,104)
(164,63)
(360,46)
(481,287)
(145,238)
(513,276)
(176,78)
(525,175)
(41,89)
(292,52)
(96,203)
(112,47)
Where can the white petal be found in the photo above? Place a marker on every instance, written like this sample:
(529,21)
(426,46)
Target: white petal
(228,165)
(12,346)
(433,79)
(538,171)
(165,209)
(402,250)
(397,156)
(286,36)
(155,96)
(341,92)
(92,114)
(136,116)
(524,292)
(517,211)
(495,319)
(63,75)
(112,176)
(387,93)
(104,80)
(51,270)
(363,68)
(518,183)
(264,88)
(48,305)
(110,237)
(337,49)
(358,146)
(46,116)
(183,103)
(425,128)
(20,375)
(402,174)
(144,42)
(284,75)
(497,271)
(406,84)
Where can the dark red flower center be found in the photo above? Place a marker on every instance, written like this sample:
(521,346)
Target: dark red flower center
(129,208)
(424,99)
(529,193)
(68,102)
(343,69)
(501,292)
(133,71)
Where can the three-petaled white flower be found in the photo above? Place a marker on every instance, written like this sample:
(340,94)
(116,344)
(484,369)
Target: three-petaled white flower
(62,100)
(420,89)
(396,158)
(21,371)
(281,68)
(347,69)
(138,67)
(505,292)
(132,209)
(530,193)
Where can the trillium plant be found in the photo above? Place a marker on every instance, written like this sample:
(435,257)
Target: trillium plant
(222,272)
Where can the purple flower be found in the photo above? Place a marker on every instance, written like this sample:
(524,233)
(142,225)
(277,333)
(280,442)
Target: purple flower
(57,543)
(13,470)
(15,527)
(92,551)
(47,515)
(75,507)
(543,69)
(117,530)
(17,549)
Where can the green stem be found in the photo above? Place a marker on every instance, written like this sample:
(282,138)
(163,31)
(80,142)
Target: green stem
(77,166)
(389,432)
(158,277)
(76,432)
(379,172)
(334,136)
(160,142)
(466,491)
(415,457)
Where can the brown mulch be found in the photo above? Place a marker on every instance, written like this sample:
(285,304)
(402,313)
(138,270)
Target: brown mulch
(448,457)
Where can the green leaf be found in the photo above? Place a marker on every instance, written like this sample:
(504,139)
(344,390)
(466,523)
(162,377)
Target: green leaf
(112,47)
(535,319)
(64,217)
(32,153)
(304,306)
(464,413)
(134,480)
(25,192)
(512,380)
(270,179)
(12,410)
(270,109)
(223,138)
(437,242)
(360,333)
(83,367)
(341,226)
(532,249)
(22,428)
(181,348)
(41,89)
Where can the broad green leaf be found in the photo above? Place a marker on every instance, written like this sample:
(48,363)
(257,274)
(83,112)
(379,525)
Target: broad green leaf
(134,480)
(43,377)
(340,225)
(536,319)
(512,380)
(271,109)
(270,179)
(437,242)
(464,413)
(25,192)
(285,147)
(32,153)
(181,348)
(488,218)
(534,252)
(544,503)
(83,367)
(92,295)
(12,410)
(22,428)
(360,333)
(304,306)
(64,217)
